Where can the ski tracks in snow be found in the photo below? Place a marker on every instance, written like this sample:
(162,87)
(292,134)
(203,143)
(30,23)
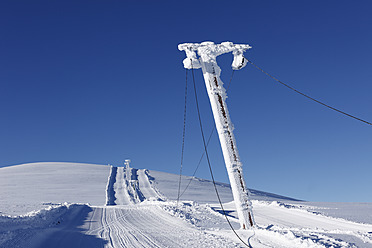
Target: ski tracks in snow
(121,188)
(134,225)
(144,225)
(138,215)
(130,186)
(163,224)
(147,187)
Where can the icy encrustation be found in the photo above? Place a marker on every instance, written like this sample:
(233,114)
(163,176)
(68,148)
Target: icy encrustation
(208,51)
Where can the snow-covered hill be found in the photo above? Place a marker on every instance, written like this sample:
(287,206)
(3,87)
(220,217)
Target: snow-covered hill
(84,205)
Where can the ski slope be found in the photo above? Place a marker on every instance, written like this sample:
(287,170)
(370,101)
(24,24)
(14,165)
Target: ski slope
(128,226)
(28,187)
(137,208)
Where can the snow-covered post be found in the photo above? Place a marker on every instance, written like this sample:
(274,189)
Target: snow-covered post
(127,169)
(127,162)
(208,51)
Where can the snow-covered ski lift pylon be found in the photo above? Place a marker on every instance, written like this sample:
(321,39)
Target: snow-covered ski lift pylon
(208,51)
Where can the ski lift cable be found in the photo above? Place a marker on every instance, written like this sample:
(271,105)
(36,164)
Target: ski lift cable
(183,140)
(209,163)
(197,167)
(288,86)
(313,99)
(209,139)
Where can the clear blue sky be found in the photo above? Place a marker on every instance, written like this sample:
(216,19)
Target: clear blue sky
(101,81)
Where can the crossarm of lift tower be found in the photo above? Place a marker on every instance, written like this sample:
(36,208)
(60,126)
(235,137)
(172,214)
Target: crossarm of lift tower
(209,51)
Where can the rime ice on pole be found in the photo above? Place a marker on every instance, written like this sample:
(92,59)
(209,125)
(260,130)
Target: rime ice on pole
(208,51)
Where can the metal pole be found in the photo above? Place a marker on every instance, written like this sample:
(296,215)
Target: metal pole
(208,51)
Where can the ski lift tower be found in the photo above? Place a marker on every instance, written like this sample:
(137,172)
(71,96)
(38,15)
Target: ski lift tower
(127,162)
(208,51)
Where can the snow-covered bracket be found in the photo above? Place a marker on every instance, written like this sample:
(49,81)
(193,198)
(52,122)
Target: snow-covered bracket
(192,62)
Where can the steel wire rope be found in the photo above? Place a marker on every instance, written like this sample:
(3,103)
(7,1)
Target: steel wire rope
(183,140)
(309,97)
(209,163)
(209,139)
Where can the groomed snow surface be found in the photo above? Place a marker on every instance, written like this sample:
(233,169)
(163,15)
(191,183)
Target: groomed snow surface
(84,205)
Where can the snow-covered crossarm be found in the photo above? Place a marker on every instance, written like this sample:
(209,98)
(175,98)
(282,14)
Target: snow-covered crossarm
(208,51)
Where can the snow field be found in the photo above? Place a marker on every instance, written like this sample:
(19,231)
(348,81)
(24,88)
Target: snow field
(28,187)
(142,212)
(282,233)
